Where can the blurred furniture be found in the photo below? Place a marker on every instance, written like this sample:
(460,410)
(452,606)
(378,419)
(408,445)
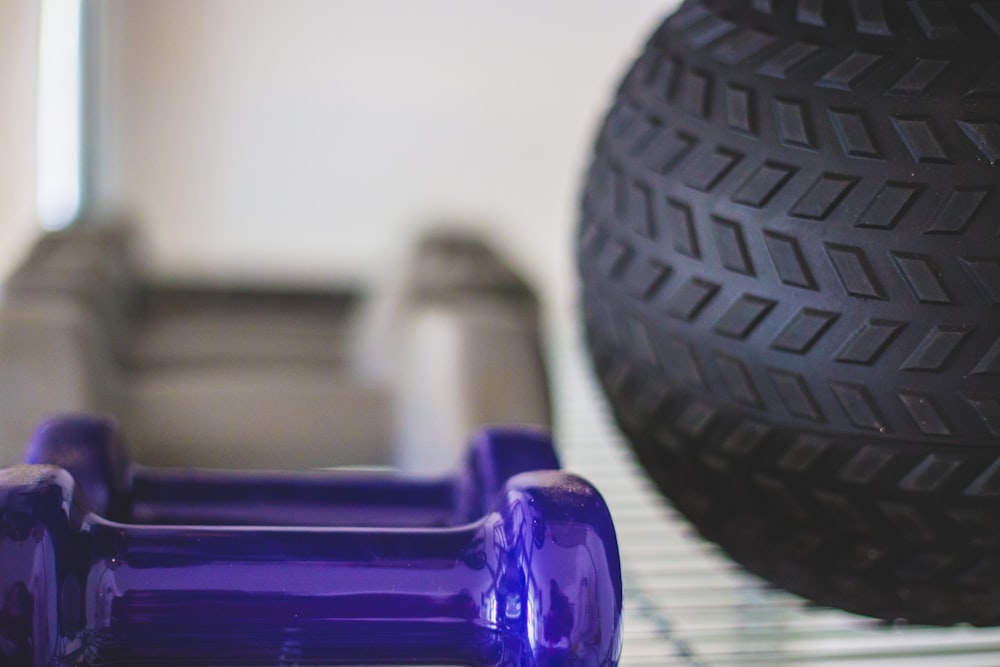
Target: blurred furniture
(264,376)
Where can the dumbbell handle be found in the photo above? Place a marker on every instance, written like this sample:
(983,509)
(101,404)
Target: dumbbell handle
(327,596)
(92,450)
(326,498)
(536,581)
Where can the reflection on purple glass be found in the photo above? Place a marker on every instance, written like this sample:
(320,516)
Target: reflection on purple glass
(510,562)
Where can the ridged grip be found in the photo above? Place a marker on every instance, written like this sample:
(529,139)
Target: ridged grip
(791,278)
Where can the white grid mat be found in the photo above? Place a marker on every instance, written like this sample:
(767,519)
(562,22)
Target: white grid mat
(687,604)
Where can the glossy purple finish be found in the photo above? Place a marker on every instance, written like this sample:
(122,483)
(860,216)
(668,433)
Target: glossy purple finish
(508,563)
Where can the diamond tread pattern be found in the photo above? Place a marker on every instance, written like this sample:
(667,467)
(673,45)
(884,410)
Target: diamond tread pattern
(790,267)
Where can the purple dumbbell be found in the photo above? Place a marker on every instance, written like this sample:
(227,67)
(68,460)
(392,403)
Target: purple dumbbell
(511,562)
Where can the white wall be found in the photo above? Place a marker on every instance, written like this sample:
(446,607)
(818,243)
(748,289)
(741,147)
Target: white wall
(18,69)
(305,140)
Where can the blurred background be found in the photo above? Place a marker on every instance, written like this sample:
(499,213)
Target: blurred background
(307,141)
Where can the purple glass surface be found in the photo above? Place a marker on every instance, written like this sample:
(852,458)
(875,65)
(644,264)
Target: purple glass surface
(510,562)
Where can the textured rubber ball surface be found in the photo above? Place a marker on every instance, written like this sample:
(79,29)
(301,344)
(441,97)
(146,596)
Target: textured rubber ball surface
(790,269)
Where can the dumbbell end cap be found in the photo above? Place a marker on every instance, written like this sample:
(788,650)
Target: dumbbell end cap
(91,449)
(37,515)
(568,606)
(499,453)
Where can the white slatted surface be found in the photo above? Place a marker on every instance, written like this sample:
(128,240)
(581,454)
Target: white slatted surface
(688,605)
